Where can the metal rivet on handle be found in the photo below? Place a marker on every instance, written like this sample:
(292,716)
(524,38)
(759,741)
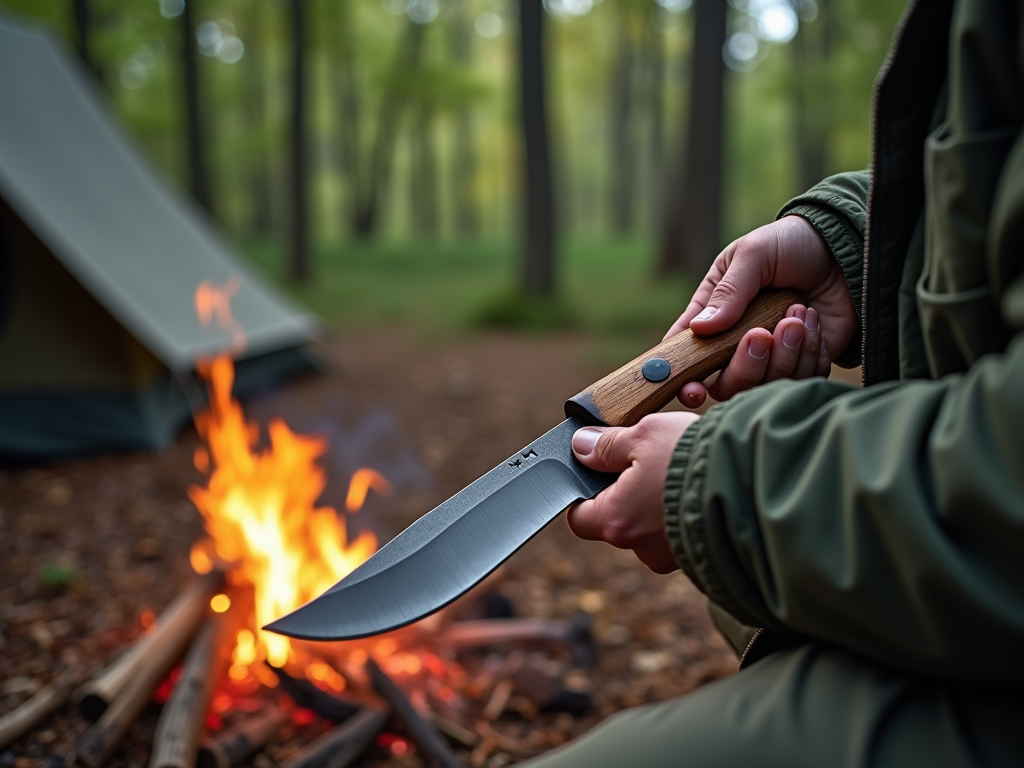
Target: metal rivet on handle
(656,369)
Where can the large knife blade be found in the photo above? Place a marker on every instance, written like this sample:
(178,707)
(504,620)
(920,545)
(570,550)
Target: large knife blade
(454,546)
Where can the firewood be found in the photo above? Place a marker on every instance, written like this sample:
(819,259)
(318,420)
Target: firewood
(162,645)
(183,716)
(48,700)
(339,747)
(431,744)
(237,744)
(308,696)
(574,635)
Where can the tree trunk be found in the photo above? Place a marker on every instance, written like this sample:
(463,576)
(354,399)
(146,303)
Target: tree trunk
(298,262)
(424,174)
(538,246)
(388,123)
(83,36)
(349,106)
(621,121)
(198,176)
(811,50)
(467,220)
(655,49)
(693,211)
(261,206)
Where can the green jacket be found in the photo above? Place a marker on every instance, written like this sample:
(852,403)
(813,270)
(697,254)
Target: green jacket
(890,520)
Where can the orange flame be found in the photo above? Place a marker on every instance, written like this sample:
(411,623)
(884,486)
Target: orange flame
(213,303)
(259,506)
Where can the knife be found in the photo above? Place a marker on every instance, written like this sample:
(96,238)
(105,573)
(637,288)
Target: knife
(454,546)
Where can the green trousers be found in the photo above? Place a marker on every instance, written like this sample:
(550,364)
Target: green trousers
(815,705)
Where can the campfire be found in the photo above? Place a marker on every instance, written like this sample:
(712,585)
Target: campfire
(265,529)
(228,688)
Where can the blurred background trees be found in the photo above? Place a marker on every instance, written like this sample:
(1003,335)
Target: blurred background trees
(420,123)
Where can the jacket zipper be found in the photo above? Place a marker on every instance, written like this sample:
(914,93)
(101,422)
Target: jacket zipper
(883,73)
(750,644)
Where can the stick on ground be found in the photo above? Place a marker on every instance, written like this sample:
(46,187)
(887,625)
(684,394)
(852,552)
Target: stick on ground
(49,699)
(432,746)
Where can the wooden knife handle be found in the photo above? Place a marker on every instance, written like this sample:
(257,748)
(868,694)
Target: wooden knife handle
(641,386)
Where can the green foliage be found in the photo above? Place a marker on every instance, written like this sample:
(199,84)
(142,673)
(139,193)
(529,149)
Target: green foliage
(246,104)
(607,285)
(57,575)
(459,139)
(518,311)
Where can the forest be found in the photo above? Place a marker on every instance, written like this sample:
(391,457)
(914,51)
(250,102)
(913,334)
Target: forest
(392,131)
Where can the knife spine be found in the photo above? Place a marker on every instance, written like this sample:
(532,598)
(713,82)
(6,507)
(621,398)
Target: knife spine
(625,396)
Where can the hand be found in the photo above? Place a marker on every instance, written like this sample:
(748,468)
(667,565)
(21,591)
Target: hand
(629,513)
(788,253)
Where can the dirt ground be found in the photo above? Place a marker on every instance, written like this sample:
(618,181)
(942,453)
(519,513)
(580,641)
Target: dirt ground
(87,545)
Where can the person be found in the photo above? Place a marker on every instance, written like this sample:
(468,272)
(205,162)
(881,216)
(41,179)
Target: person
(862,548)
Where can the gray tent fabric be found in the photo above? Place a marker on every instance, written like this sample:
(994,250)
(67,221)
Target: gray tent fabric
(99,266)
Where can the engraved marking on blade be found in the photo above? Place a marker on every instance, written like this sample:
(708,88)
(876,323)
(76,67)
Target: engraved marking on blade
(527,455)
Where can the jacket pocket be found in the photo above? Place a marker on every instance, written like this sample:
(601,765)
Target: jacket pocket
(959,327)
(959,317)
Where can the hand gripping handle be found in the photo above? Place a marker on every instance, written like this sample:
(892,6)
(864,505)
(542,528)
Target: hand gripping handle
(647,384)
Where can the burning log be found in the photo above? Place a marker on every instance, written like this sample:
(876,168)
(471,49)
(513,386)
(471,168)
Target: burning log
(48,700)
(152,654)
(431,744)
(575,634)
(235,745)
(339,747)
(308,696)
(181,722)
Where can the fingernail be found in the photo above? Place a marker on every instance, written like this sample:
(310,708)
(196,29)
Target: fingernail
(707,313)
(824,348)
(800,314)
(585,439)
(792,336)
(812,320)
(759,347)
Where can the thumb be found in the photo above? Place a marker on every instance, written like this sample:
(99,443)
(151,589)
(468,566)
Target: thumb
(729,299)
(604,449)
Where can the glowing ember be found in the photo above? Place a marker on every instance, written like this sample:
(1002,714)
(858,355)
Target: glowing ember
(220,603)
(260,511)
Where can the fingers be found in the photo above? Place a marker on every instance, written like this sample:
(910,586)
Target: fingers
(693,394)
(592,519)
(747,367)
(740,283)
(824,364)
(810,350)
(796,350)
(786,349)
(605,449)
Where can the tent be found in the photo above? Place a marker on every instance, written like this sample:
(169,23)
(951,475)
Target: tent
(99,267)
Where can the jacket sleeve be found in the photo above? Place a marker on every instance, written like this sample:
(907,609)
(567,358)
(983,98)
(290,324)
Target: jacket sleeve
(889,520)
(837,209)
